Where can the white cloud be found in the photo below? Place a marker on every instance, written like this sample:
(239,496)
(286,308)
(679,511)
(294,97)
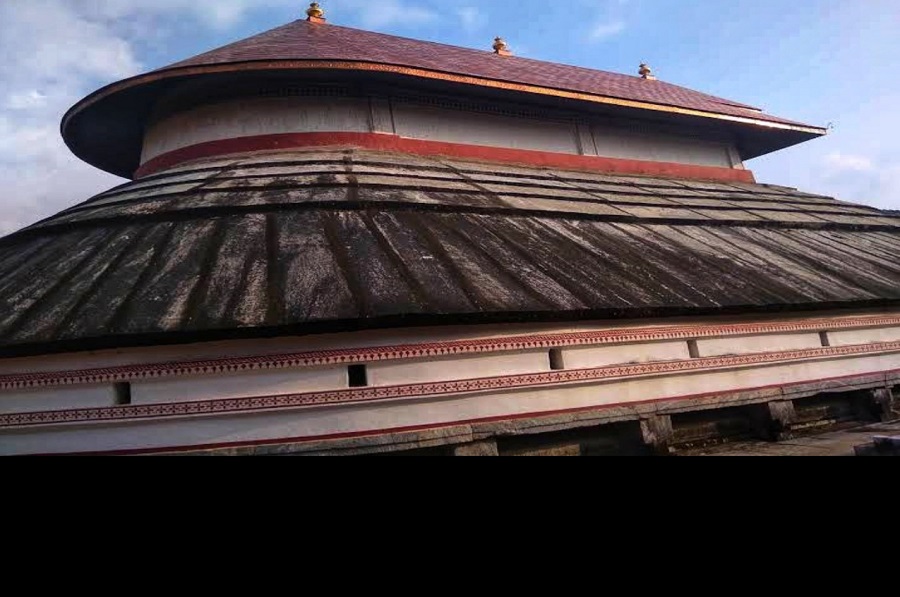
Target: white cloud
(605,30)
(57,51)
(844,162)
(223,14)
(25,100)
(858,161)
(606,19)
(54,53)
(218,14)
(382,13)
(861,179)
(469,18)
(850,176)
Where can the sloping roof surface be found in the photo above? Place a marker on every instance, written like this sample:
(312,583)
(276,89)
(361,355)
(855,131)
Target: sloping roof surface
(281,243)
(301,40)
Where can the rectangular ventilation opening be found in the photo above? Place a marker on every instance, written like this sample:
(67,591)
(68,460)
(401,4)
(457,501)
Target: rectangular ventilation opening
(694,349)
(123,394)
(556,360)
(826,341)
(358,375)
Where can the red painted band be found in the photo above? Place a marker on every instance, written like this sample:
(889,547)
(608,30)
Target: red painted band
(393,143)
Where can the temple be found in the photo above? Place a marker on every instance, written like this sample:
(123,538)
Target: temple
(342,242)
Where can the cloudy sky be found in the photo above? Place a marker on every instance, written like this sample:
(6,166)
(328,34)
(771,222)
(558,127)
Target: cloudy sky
(825,62)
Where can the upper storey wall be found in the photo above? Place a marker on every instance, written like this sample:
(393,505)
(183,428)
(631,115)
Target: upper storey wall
(257,117)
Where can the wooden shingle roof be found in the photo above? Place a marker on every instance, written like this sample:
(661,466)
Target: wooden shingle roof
(343,239)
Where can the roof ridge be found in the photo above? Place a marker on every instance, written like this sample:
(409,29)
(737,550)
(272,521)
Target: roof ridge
(223,48)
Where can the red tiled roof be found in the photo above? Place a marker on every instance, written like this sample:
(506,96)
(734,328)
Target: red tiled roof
(301,40)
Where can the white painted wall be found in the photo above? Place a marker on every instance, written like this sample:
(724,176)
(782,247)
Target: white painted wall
(52,399)
(371,417)
(247,118)
(491,130)
(601,356)
(265,116)
(716,347)
(866,336)
(375,338)
(473,367)
(240,385)
(621,143)
(420,411)
(378,338)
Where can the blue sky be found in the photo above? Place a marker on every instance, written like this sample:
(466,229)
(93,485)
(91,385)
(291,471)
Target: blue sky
(817,61)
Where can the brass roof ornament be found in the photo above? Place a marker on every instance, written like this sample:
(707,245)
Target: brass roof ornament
(501,48)
(315,14)
(646,72)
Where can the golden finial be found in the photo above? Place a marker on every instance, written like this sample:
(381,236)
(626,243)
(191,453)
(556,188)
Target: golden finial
(315,14)
(646,73)
(501,47)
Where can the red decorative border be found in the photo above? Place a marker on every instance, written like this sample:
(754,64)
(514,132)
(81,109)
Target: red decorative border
(434,389)
(394,143)
(660,403)
(426,350)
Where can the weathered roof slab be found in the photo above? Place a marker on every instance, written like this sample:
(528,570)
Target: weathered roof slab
(345,239)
